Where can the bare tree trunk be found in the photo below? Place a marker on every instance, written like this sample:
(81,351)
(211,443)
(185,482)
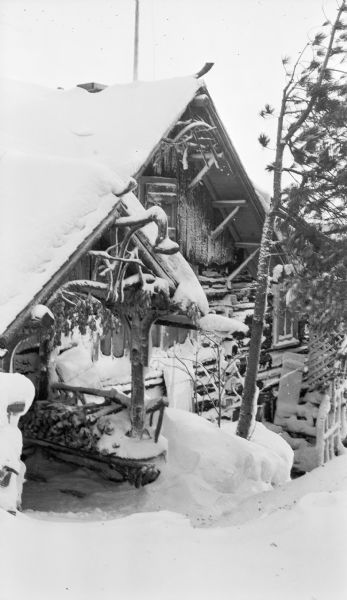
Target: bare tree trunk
(248,411)
(137,407)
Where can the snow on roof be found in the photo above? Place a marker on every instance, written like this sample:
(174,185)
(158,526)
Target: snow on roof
(189,290)
(49,206)
(61,156)
(118,127)
(264,197)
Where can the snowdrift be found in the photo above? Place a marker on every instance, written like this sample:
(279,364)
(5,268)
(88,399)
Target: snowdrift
(209,469)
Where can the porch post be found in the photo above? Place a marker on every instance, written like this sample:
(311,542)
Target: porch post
(139,334)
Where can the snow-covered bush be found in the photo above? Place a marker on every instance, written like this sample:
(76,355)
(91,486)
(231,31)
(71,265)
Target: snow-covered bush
(16,395)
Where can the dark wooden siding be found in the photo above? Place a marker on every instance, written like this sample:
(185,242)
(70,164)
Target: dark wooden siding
(196,220)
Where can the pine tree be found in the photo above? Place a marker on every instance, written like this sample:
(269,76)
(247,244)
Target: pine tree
(311,149)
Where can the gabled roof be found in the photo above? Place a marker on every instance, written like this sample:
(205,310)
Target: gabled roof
(61,154)
(63,157)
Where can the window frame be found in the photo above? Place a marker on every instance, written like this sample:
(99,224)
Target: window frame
(281,318)
(171,200)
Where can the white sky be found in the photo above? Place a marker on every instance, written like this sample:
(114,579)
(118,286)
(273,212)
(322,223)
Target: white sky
(65,42)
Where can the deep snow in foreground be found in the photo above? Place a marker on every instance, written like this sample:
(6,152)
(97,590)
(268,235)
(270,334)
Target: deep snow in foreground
(263,543)
(297,552)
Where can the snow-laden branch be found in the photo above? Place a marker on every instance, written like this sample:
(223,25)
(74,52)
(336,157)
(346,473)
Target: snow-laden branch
(157,215)
(107,256)
(83,286)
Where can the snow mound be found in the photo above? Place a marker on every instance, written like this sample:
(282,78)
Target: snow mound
(189,290)
(16,395)
(210,469)
(223,459)
(207,474)
(15,388)
(115,440)
(40,311)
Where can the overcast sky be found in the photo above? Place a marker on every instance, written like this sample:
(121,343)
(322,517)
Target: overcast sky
(65,42)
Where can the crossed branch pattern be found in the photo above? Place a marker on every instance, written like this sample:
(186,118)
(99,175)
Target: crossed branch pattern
(112,263)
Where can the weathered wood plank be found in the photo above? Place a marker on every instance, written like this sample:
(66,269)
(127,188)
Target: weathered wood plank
(110,394)
(215,233)
(247,244)
(201,173)
(228,203)
(241,267)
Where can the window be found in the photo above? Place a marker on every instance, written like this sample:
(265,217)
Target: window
(285,324)
(161,191)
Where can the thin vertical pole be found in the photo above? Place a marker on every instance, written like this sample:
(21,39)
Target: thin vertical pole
(136,41)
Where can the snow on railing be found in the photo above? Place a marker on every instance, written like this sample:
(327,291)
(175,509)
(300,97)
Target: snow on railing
(331,424)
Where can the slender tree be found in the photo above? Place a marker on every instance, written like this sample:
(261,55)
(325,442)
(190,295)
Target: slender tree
(310,148)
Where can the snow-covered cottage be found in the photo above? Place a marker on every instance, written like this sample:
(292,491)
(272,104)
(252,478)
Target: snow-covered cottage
(95,270)
(215,214)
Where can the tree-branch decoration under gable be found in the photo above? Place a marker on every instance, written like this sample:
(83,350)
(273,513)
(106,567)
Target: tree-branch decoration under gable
(190,137)
(136,299)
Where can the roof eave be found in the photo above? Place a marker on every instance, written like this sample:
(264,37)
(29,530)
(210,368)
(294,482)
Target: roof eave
(151,155)
(234,160)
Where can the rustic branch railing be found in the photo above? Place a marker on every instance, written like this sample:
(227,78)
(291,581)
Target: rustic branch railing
(331,424)
(73,394)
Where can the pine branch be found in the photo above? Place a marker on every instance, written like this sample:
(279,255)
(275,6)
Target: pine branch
(291,170)
(286,89)
(313,98)
(264,140)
